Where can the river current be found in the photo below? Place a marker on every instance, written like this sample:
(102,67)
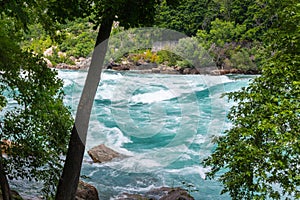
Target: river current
(164,123)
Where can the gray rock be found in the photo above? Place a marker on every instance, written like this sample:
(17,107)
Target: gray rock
(86,191)
(102,153)
(155,70)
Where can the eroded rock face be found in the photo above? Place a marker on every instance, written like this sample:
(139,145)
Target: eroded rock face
(102,153)
(86,192)
(163,193)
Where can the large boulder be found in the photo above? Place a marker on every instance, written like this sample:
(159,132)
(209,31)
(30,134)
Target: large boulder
(86,192)
(102,153)
(83,63)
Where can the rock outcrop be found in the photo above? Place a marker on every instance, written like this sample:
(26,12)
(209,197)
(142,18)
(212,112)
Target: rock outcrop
(102,153)
(86,192)
(148,67)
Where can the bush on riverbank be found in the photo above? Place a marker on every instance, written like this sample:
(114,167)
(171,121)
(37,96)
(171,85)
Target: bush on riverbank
(224,43)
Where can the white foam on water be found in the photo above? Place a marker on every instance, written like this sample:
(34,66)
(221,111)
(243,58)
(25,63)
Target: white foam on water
(136,163)
(96,134)
(152,160)
(117,138)
(96,169)
(132,190)
(190,171)
(111,137)
(67,82)
(184,157)
(215,80)
(68,76)
(198,139)
(157,96)
(105,91)
(111,76)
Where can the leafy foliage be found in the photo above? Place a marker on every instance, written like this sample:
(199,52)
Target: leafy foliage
(222,32)
(226,43)
(260,153)
(47,13)
(79,38)
(76,38)
(185,16)
(121,10)
(37,125)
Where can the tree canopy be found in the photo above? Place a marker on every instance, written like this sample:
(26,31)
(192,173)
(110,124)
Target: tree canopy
(259,155)
(35,129)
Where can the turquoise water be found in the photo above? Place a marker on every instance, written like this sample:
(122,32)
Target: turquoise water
(163,123)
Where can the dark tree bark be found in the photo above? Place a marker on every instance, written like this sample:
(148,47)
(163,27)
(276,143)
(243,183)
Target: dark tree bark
(6,193)
(70,177)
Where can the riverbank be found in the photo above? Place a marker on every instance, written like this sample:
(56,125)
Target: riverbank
(148,67)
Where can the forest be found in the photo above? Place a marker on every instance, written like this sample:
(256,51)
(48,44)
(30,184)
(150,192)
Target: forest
(41,141)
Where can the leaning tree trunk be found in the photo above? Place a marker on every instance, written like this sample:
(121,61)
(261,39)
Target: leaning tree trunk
(6,193)
(70,177)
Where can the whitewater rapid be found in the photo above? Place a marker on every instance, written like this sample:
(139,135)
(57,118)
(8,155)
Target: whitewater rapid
(164,123)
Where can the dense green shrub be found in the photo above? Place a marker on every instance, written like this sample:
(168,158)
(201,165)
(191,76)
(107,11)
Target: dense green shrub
(168,57)
(76,39)
(222,32)
(242,60)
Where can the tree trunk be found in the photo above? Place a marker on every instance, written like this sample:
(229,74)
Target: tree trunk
(6,193)
(70,177)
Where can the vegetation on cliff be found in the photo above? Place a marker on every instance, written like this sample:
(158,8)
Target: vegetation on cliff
(231,31)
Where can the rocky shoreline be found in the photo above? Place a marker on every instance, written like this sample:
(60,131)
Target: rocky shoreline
(148,67)
(102,154)
(85,191)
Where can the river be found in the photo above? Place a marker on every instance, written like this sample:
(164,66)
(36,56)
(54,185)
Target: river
(163,123)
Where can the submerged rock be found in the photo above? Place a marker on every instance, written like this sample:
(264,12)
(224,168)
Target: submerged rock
(163,193)
(86,192)
(102,153)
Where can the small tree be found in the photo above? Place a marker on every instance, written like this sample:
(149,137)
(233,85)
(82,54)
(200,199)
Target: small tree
(35,127)
(38,127)
(259,155)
